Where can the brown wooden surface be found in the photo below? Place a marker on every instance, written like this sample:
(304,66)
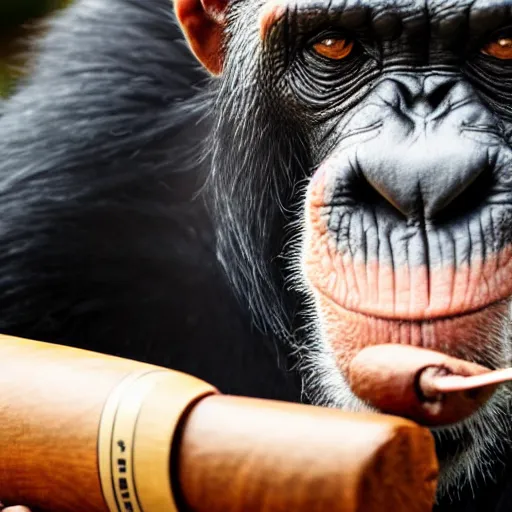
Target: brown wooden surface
(232,454)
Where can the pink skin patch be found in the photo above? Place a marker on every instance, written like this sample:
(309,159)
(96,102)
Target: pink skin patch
(270,14)
(216,9)
(369,304)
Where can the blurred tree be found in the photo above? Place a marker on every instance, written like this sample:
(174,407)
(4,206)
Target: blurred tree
(18,22)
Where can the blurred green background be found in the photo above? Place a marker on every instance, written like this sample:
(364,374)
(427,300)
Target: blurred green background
(19,22)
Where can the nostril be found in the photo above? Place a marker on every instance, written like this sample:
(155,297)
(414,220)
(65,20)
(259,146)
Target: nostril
(367,194)
(405,94)
(407,207)
(439,93)
(423,96)
(467,201)
(435,187)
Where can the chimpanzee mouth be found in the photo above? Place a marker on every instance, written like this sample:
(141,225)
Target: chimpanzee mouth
(426,319)
(472,324)
(475,335)
(480,336)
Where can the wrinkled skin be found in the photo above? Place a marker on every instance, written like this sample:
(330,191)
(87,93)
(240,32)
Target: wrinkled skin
(346,202)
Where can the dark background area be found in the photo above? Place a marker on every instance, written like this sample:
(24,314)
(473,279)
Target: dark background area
(20,23)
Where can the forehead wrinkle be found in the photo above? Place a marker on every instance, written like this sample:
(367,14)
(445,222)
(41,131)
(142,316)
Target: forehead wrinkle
(432,11)
(485,16)
(274,11)
(396,6)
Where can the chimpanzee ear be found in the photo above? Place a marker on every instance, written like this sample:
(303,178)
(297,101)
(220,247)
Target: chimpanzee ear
(203,23)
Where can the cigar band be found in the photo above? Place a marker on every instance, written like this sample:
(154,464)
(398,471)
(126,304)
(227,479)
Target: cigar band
(135,444)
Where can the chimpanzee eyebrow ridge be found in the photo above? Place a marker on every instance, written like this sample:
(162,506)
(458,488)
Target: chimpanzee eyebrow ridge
(271,13)
(275,11)
(351,13)
(355,15)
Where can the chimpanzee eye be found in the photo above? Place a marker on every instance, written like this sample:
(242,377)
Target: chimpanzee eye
(334,48)
(500,48)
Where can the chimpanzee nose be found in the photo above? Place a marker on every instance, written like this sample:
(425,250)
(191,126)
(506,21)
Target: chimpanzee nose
(422,158)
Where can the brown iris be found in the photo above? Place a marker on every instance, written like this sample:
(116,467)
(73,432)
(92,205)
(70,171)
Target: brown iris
(335,49)
(500,48)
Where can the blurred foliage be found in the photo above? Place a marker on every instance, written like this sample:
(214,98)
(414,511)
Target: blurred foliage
(18,23)
(14,12)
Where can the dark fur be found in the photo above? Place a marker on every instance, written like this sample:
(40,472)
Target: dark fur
(108,155)
(105,244)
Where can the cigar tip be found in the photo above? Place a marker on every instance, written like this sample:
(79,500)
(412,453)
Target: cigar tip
(426,386)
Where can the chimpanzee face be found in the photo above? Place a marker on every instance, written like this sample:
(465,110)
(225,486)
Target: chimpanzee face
(385,129)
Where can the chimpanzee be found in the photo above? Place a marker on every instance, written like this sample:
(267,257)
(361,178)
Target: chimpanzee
(337,173)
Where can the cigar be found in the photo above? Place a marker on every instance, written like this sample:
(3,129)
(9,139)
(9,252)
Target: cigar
(82,431)
(429,387)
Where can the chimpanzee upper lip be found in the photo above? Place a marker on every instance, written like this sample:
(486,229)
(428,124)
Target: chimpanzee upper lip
(427,319)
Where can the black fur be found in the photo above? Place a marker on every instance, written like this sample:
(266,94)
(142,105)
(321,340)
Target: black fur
(109,155)
(106,243)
